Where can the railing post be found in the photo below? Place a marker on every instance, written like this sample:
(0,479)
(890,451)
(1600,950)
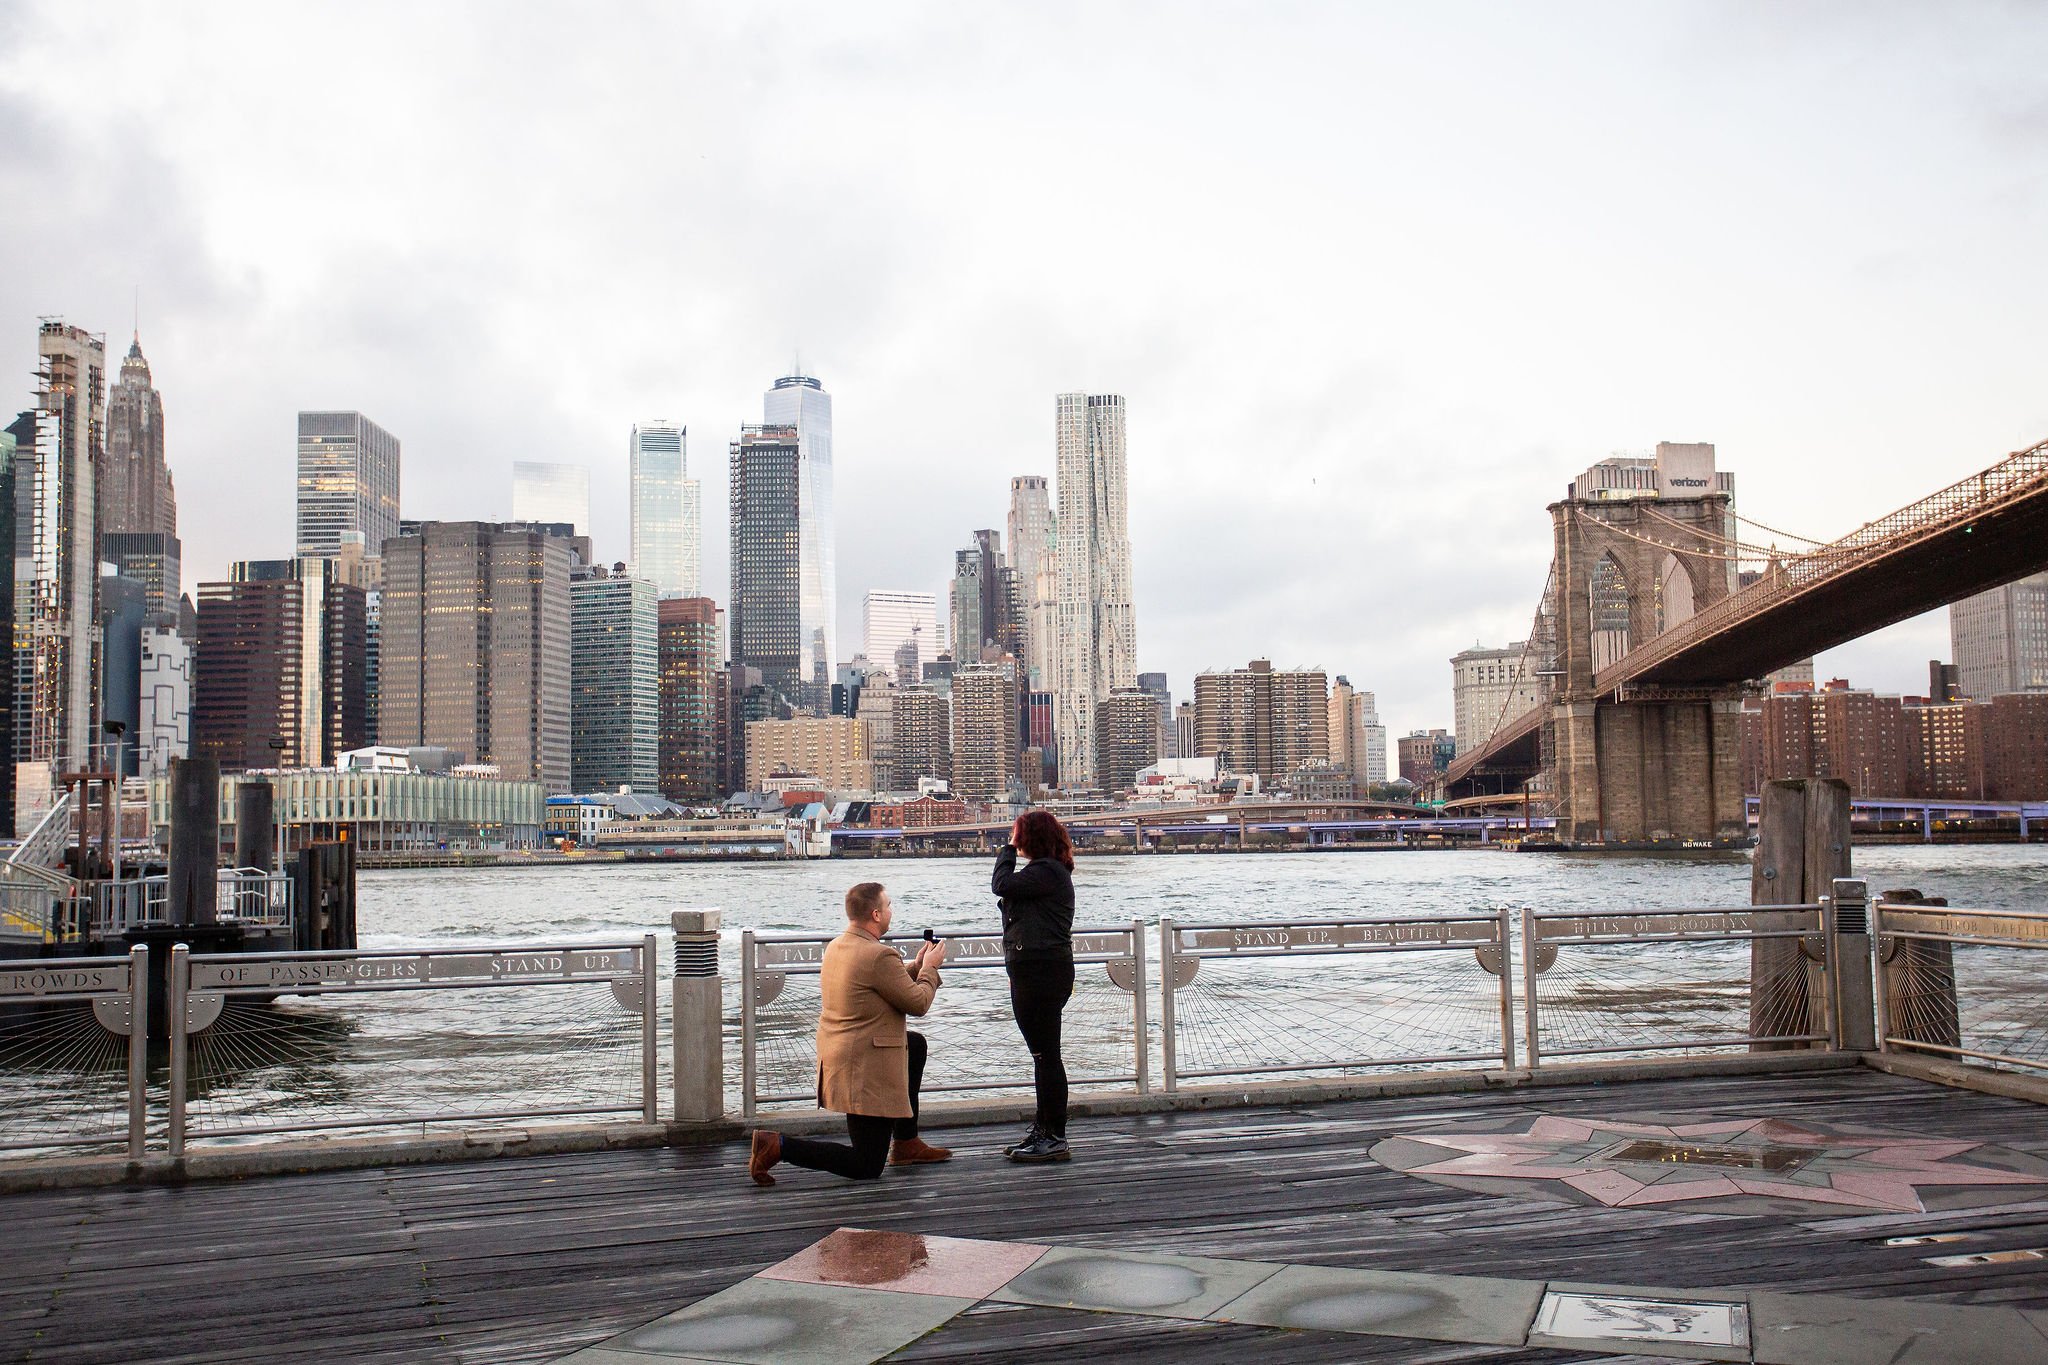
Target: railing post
(178,987)
(1169,970)
(649,1028)
(1880,981)
(1507,992)
(1138,1011)
(138,1048)
(1528,983)
(747,1078)
(699,1018)
(1853,1018)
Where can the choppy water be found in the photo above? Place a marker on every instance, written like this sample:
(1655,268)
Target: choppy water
(438,1054)
(951,894)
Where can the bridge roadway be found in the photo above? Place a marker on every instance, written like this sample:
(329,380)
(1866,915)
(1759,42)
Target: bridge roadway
(527,1259)
(1976,534)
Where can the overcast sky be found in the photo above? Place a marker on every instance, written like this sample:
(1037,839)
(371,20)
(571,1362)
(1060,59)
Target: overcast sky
(1376,281)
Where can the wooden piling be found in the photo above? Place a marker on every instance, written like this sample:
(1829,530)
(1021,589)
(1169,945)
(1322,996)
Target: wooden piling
(193,890)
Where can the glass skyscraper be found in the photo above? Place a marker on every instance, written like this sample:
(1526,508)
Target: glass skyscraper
(615,685)
(667,510)
(800,401)
(551,494)
(764,602)
(1096,619)
(348,481)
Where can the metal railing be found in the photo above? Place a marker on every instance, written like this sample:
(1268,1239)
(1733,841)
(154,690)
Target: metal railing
(1752,976)
(974,1043)
(433,1036)
(1292,996)
(74,1052)
(1962,983)
(44,845)
(248,894)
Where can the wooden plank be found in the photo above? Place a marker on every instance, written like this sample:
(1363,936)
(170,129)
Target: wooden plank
(525,1259)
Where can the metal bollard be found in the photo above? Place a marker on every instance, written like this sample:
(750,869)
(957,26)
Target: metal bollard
(1849,966)
(181,1047)
(699,1018)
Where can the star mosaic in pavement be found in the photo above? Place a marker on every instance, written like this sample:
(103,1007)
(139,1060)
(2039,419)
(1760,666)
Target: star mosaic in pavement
(1737,1165)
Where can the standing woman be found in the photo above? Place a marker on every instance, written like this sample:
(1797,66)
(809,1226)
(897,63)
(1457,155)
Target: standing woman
(1038,951)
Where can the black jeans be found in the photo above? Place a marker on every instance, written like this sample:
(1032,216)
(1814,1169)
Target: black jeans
(1038,992)
(869,1153)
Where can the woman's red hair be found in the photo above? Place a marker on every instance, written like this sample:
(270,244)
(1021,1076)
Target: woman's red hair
(1041,835)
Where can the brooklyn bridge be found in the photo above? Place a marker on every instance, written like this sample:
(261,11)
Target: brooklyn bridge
(1644,642)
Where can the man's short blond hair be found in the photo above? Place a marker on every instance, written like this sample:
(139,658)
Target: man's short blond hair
(864,900)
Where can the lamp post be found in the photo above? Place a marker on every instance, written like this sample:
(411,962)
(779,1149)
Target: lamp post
(117,763)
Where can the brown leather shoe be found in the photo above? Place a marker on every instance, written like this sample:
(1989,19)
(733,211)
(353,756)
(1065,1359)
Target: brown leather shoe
(917,1152)
(766,1151)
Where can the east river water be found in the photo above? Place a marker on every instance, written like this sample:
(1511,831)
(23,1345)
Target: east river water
(445,1056)
(951,895)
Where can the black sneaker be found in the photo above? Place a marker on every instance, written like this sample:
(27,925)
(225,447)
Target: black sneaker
(1042,1148)
(1031,1135)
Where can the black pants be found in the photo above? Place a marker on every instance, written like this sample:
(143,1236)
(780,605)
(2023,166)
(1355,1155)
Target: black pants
(869,1153)
(1038,992)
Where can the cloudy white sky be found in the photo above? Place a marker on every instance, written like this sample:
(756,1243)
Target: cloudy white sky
(1376,280)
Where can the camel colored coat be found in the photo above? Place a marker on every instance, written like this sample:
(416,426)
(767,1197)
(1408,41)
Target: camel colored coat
(865,991)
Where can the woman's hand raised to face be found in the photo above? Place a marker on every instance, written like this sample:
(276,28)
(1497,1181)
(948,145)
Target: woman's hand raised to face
(1017,834)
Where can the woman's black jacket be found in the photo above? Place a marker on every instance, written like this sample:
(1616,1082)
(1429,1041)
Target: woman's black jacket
(1038,908)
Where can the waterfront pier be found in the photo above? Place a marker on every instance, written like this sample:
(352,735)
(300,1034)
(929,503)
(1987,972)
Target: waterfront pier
(1801,1130)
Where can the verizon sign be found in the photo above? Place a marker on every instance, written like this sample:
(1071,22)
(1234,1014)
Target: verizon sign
(1684,471)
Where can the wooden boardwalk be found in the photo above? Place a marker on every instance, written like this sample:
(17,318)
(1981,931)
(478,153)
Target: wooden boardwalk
(524,1260)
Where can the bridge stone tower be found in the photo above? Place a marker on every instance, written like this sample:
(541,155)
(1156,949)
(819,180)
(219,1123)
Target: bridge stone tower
(1639,764)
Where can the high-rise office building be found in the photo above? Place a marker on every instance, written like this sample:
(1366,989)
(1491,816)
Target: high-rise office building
(1096,621)
(667,510)
(770,630)
(1263,720)
(1034,556)
(987,617)
(692,660)
(615,683)
(151,558)
(551,494)
(475,646)
(1424,755)
(123,615)
(2000,639)
(1358,742)
(893,617)
(985,748)
(1343,743)
(920,737)
(57,551)
(279,666)
(136,496)
(1370,742)
(164,701)
(1489,688)
(799,401)
(832,749)
(348,481)
(10,446)
(1186,731)
(1154,686)
(1127,734)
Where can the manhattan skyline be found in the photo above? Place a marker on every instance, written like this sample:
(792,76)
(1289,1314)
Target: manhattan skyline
(1530,264)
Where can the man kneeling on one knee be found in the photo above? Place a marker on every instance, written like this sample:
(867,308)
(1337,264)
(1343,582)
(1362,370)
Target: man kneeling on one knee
(869,1063)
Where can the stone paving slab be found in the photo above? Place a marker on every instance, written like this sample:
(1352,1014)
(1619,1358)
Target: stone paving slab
(1164,1286)
(802,1311)
(1825,1329)
(770,1322)
(1472,1308)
